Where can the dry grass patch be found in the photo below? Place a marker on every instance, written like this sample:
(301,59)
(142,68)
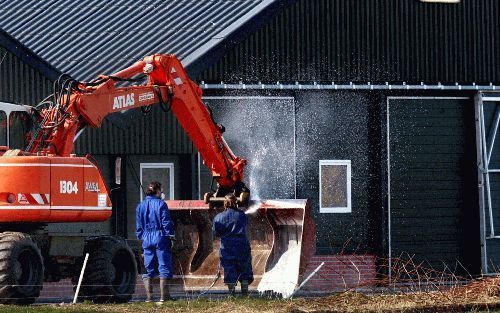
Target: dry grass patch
(479,295)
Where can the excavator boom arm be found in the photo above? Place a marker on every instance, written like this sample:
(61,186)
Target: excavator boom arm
(169,85)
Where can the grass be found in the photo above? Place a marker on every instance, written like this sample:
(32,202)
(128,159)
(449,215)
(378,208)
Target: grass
(478,296)
(200,305)
(346,302)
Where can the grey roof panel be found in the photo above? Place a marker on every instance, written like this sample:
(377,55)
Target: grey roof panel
(90,37)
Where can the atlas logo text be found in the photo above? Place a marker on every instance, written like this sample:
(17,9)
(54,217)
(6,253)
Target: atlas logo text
(123,102)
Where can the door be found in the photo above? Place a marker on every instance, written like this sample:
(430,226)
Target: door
(433,214)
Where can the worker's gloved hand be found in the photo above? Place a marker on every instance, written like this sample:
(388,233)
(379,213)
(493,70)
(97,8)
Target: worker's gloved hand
(172,241)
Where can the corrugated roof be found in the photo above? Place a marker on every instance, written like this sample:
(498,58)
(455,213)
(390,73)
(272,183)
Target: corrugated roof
(88,37)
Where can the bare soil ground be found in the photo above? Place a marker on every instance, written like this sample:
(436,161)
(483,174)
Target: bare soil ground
(482,295)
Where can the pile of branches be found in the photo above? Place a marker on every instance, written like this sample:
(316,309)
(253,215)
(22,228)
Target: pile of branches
(477,295)
(407,285)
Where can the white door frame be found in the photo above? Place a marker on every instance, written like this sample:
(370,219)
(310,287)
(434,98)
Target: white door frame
(257,98)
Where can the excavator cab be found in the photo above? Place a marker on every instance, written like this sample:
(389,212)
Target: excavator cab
(15,123)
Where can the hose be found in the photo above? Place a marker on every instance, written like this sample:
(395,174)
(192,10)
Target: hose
(217,276)
(136,176)
(166,107)
(57,103)
(146,110)
(62,87)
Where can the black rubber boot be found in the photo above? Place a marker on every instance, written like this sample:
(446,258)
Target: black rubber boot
(149,289)
(244,288)
(164,291)
(231,288)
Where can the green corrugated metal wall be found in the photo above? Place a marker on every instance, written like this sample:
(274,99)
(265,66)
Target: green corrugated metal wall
(370,40)
(19,82)
(155,133)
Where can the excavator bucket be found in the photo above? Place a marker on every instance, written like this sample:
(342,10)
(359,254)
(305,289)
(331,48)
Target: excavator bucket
(282,239)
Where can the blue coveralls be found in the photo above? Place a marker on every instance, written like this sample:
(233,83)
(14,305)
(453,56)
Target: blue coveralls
(235,256)
(153,227)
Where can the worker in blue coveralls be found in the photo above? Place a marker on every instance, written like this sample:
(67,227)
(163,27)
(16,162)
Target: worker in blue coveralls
(235,257)
(156,230)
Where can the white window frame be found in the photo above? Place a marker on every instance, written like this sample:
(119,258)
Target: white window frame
(158,165)
(348,208)
(8,108)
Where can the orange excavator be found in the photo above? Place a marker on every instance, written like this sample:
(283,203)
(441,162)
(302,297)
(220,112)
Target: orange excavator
(46,183)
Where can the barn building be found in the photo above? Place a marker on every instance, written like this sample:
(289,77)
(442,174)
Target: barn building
(383,113)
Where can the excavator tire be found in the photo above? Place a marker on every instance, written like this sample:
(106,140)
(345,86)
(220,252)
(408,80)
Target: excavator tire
(21,269)
(111,271)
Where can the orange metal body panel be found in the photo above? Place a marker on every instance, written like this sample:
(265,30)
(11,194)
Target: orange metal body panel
(52,189)
(66,180)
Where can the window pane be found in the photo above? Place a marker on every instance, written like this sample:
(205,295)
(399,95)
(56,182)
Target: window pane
(333,186)
(3,128)
(161,175)
(20,124)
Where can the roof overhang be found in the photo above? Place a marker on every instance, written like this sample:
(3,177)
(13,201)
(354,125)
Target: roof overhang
(27,56)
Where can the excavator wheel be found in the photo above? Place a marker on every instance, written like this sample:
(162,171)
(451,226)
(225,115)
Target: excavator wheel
(21,269)
(111,271)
